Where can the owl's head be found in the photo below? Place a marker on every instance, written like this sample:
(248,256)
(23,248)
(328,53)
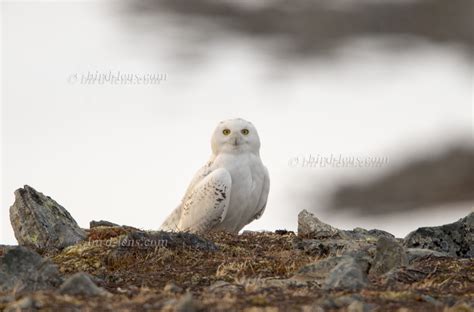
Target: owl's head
(235,136)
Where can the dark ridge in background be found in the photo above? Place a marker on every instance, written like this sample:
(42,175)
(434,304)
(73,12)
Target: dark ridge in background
(311,28)
(421,183)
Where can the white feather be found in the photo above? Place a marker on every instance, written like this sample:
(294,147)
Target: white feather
(231,190)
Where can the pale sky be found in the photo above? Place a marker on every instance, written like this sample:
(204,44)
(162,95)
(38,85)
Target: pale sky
(126,153)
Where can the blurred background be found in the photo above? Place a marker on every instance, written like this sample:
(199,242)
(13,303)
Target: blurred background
(364,108)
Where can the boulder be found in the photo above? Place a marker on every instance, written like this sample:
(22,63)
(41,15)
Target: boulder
(360,233)
(456,239)
(348,274)
(22,269)
(41,223)
(311,227)
(5,248)
(80,284)
(389,254)
(320,239)
(333,247)
(317,271)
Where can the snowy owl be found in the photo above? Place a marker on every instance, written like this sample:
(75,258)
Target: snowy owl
(231,189)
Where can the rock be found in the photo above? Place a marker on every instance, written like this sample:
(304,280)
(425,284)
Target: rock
(348,274)
(249,232)
(414,254)
(317,271)
(24,304)
(22,269)
(389,254)
(171,240)
(140,242)
(94,224)
(344,272)
(333,247)
(311,227)
(186,304)
(319,239)
(284,232)
(80,284)
(360,233)
(5,248)
(41,223)
(455,239)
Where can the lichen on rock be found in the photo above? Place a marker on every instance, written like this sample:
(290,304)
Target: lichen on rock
(456,239)
(41,223)
(23,270)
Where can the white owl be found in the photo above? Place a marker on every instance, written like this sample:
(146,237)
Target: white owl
(231,190)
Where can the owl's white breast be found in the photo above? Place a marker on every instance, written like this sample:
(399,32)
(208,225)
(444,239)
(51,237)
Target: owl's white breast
(248,174)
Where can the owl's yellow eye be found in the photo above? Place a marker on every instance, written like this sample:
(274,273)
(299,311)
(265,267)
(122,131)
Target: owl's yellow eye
(226,131)
(245,131)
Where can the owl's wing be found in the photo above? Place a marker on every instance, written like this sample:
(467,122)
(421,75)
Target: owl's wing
(262,202)
(172,221)
(205,204)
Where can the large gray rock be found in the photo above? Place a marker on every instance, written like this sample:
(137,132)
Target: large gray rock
(348,274)
(320,239)
(363,234)
(334,247)
(455,239)
(317,271)
(22,269)
(389,254)
(311,227)
(414,254)
(5,248)
(41,223)
(80,284)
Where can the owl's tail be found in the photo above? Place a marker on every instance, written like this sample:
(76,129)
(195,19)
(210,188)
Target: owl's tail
(171,223)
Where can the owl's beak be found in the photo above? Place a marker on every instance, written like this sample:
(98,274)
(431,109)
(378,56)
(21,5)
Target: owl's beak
(236,141)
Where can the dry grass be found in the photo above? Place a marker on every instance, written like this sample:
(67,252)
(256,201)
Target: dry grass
(245,265)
